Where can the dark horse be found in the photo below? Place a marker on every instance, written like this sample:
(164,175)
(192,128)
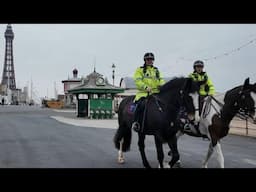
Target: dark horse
(218,112)
(160,118)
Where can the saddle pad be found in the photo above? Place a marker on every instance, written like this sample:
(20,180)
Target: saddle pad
(131,108)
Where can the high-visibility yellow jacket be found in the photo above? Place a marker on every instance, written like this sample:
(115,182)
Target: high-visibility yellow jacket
(151,78)
(206,85)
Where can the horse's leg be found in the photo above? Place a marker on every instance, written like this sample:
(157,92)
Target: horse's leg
(120,152)
(175,153)
(160,152)
(220,157)
(142,150)
(178,135)
(209,153)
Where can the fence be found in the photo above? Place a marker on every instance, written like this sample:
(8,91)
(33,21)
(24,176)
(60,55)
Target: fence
(243,127)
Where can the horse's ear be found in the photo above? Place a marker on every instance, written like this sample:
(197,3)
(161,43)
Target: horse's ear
(247,81)
(246,84)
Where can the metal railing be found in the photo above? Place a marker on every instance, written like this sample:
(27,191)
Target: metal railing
(243,127)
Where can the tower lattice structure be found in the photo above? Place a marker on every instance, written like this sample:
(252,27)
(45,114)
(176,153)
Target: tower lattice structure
(8,77)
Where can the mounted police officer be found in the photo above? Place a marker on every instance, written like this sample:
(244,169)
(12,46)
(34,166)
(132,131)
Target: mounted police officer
(205,83)
(147,79)
(206,89)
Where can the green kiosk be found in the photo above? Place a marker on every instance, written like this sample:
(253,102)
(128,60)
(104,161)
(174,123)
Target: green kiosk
(95,97)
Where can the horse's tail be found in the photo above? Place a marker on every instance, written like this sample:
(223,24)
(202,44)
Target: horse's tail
(125,133)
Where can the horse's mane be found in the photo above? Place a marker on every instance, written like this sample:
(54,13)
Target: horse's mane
(234,89)
(177,83)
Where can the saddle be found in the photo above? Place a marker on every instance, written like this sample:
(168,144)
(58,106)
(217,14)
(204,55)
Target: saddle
(131,108)
(136,107)
(139,110)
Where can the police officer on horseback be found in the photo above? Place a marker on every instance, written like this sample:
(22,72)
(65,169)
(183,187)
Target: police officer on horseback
(206,89)
(147,79)
(205,83)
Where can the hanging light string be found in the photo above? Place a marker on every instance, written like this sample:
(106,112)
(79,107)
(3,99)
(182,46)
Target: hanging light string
(223,54)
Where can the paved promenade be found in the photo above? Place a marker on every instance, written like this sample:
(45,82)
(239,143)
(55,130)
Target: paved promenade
(237,126)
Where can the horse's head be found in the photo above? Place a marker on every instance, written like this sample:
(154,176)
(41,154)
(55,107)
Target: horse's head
(248,97)
(190,99)
(183,92)
(243,99)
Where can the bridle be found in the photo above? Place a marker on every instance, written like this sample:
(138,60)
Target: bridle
(244,112)
(184,100)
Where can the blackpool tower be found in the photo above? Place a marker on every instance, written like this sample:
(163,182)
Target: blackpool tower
(8,77)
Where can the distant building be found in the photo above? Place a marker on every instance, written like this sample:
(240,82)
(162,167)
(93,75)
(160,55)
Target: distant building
(95,96)
(3,88)
(60,97)
(23,96)
(70,83)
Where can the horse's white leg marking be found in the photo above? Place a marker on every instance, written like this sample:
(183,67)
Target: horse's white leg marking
(195,98)
(165,164)
(220,157)
(209,153)
(177,164)
(120,152)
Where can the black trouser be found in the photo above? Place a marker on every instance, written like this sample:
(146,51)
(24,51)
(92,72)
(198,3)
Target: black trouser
(138,114)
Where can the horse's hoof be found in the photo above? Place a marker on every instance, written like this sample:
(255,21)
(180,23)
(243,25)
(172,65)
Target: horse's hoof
(147,166)
(177,164)
(120,160)
(166,165)
(204,166)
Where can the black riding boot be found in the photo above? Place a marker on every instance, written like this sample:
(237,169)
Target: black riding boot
(136,126)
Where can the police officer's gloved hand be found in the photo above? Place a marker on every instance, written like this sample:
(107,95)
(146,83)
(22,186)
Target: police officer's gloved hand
(159,86)
(148,89)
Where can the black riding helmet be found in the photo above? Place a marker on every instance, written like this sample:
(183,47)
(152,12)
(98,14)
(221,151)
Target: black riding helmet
(149,56)
(198,63)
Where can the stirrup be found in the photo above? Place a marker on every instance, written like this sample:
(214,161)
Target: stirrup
(188,128)
(136,126)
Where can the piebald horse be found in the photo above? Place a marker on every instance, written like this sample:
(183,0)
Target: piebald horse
(217,114)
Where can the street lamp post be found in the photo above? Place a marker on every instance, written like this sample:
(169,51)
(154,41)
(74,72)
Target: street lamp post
(113,73)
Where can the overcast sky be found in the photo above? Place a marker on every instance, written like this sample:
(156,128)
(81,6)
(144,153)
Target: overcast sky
(48,53)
